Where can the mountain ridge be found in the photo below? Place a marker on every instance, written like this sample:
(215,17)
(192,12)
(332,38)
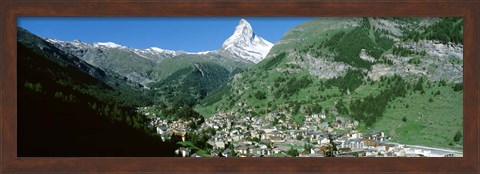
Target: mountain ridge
(139,65)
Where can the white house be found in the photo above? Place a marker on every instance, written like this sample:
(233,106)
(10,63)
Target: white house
(323,141)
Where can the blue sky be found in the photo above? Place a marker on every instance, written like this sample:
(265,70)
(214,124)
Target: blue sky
(173,33)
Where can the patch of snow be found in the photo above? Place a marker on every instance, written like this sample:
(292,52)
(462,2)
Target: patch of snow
(156,50)
(108,45)
(203,52)
(52,40)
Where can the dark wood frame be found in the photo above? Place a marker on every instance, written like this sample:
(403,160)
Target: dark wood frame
(11,9)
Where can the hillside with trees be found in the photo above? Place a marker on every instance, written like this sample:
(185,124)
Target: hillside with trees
(367,69)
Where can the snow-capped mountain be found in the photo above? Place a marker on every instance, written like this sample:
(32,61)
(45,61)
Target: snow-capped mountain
(244,48)
(129,62)
(244,43)
(152,53)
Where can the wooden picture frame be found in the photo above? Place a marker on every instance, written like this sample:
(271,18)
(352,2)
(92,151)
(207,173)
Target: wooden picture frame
(10,10)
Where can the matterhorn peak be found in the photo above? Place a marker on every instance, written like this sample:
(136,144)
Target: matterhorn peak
(245,44)
(244,28)
(244,22)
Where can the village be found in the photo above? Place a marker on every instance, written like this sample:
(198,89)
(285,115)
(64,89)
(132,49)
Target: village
(268,136)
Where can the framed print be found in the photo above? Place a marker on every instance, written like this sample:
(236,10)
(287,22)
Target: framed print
(273,86)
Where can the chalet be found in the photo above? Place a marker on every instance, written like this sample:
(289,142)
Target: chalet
(354,134)
(276,150)
(323,125)
(237,137)
(323,141)
(251,149)
(257,152)
(323,116)
(318,135)
(265,151)
(355,143)
(277,134)
(219,144)
(381,147)
(269,130)
(241,149)
(370,142)
(375,135)
(276,139)
(388,146)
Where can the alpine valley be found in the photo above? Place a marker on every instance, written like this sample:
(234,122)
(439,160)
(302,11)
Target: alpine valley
(329,87)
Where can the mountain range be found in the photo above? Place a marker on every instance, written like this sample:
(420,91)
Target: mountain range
(241,50)
(403,76)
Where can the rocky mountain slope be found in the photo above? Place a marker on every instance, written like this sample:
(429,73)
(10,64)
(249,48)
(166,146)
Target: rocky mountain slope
(132,63)
(66,59)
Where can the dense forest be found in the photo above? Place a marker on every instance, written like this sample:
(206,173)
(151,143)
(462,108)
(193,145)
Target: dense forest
(449,29)
(177,95)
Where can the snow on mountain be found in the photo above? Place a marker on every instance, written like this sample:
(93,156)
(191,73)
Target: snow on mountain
(203,52)
(246,44)
(156,50)
(108,45)
(152,53)
(157,54)
(53,40)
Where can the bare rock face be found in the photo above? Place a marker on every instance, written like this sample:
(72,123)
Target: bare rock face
(364,55)
(323,68)
(440,62)
(436,49)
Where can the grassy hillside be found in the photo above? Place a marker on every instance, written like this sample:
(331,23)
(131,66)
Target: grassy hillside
(368,69)
(169,66)
(431,119)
